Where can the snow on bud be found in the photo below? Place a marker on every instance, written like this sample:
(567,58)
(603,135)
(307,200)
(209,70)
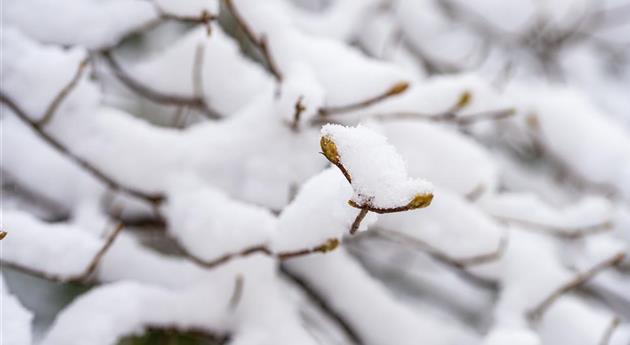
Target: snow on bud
(375,170)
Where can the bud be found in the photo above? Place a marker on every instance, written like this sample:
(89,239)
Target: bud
(3,234)
(330,245)
(398,88)
(420,201)
(329,149)
(464,100)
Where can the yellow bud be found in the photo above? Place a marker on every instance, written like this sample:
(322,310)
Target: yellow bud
(464,99)
(398,88)
(420,201)
(330,245)
(329,149)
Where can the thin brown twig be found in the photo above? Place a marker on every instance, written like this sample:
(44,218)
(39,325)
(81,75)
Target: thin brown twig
(568,233)
(297,113)
(358,220)
(61,96)
(394,90)
(580,279)
(260,42)
(610,330)
(154,95)
(325,247)
(84,164)
(81,278)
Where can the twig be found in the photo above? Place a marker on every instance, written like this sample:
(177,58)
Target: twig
(237,293)
(52,108)
(561,232)
(357,221)
(327,246)
(323,305)
(580,279)
(81,278)
(153,95)
(299,109)
(450,116)
(197,72)
(610,330)
(260,42)
(460,263)
(84,164)
(396,89)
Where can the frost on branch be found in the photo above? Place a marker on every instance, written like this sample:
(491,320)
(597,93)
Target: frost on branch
(375,170)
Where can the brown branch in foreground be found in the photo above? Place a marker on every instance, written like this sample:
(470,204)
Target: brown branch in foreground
(580,279)
(84,164)
(152,94)
(566,233)
(61,96)
(329,245)
(610,330)
(394,90)
(260,42)
(110,182)
(82,278)
(357,221)
(323,305)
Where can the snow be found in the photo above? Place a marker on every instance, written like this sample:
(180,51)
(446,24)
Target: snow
(301,223)
(190,8)
(16,320)
(92,24)
(380,181)
(210,224)
(528,188)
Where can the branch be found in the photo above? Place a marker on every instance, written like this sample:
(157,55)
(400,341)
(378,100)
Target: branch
(580,279)
(260,42)
(329,245)
(489,115)
(460,263)
(52,108)
(84,164)
(323,305)
(610,331)
(299,109)
(81,278)
(396,89)
(357,221)
(237,293)
(154,95)
(566,233)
